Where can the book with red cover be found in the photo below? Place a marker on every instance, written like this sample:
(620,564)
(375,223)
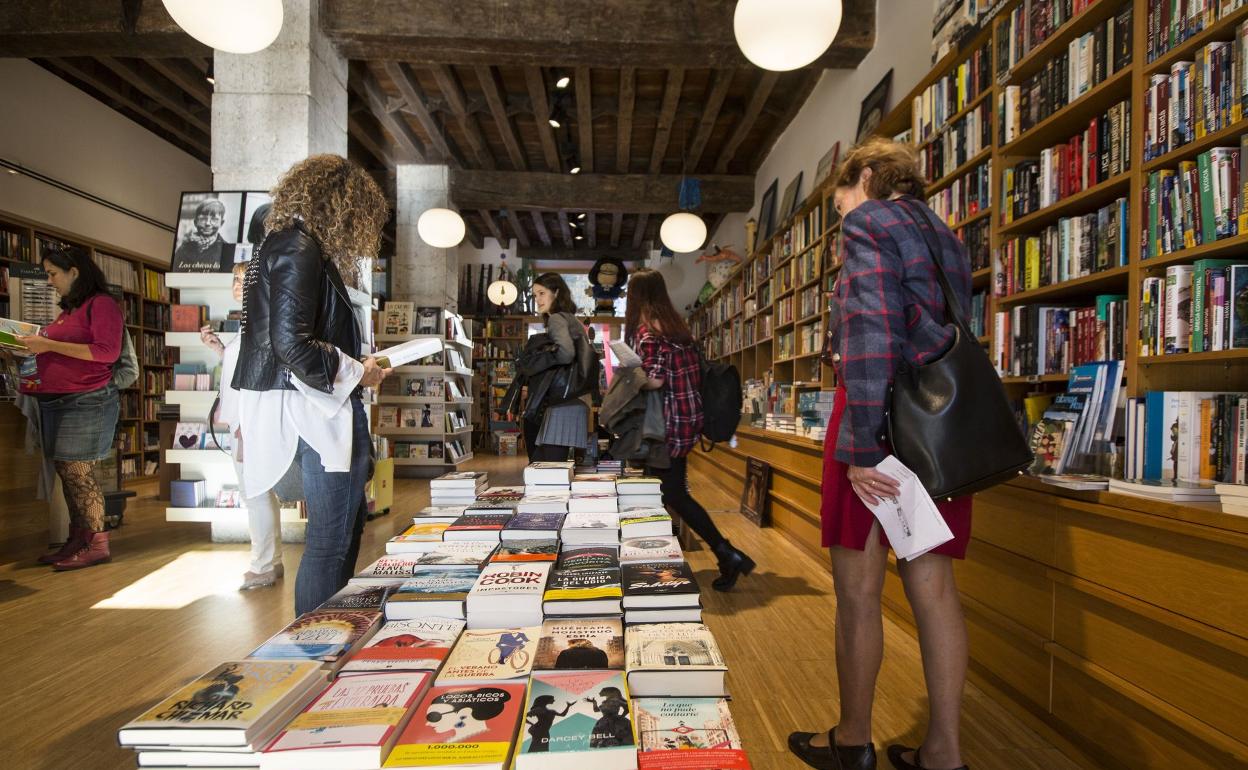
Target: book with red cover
(187,318)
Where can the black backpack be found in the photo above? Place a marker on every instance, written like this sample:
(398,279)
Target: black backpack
(721,400)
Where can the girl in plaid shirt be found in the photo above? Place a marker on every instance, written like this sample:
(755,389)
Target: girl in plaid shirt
(887,305)
(668,354)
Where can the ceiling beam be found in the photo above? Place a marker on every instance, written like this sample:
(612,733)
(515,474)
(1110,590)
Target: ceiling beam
(536,83)
(492,226)
(517,229)
(634,193)
(624,120)
(453,92)
(370,139)
(560,253)
(400,132)
(585,118)
(565,228)
(667,115)
(92,28)
(169,98)
(405,80)
(493,97)
(182,131)
(639,232)
(710,114)
(617,224)
(540,222)
(766,82)
(607,33)
(591,230)
(186,76)
(473,234)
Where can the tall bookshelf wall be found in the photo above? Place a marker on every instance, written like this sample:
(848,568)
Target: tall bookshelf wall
(1211,371)
(145,304)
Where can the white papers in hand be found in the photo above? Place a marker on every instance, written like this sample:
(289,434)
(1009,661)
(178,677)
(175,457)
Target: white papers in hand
(625,355)
(913,524)
(406,352)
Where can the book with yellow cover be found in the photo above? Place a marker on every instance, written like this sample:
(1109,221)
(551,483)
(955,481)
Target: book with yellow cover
(462,726)
(238,704)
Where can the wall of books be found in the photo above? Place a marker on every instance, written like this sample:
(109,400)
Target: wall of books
(139,285)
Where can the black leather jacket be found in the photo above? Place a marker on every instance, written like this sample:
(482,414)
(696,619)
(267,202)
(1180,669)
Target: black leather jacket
(296,316)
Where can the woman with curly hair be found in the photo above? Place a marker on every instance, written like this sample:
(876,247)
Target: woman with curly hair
(300,370)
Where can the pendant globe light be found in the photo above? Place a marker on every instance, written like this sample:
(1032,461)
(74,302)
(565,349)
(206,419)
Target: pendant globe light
(782,35)
(233,26)
(683,232)
(441,228)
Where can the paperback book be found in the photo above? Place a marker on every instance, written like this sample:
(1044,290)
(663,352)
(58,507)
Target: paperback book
(674,659)
(526,550)
(508,595)
(580,643)
(432,593)
(659,584)
(587,592)
(650,549)
(686,734)
(325,635)
(354,596)
(583,717)
(470,726)
(407,645)
(491,655)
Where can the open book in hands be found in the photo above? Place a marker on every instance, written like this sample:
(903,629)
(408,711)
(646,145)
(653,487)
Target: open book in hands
(10,330)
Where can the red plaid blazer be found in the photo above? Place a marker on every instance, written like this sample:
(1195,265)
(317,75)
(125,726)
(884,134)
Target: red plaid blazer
(678,366)
(887,303)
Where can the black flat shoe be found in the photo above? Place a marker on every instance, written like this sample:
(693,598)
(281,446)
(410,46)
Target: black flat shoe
(732,565)
(832,757)
(894,756)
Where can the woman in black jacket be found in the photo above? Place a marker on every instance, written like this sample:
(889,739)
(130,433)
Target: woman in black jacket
(298,364)
(551,429)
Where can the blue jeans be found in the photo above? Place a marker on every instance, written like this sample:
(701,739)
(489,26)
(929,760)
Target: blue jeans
(336,515)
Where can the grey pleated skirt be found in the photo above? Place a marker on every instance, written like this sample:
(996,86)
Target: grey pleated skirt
(566,425)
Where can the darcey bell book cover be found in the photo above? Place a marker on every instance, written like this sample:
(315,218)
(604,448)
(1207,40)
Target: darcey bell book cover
(577,712)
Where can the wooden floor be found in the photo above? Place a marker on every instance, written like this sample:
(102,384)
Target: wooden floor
(86,651)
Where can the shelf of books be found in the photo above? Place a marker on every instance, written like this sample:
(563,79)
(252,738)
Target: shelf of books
(495,349)
(559,624)
(137,282)
(424,409)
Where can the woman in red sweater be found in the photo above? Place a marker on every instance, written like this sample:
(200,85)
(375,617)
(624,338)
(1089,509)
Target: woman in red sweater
(70,374)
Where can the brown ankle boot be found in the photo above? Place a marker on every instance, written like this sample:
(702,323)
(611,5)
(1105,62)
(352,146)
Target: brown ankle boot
(93,550)
(76,536)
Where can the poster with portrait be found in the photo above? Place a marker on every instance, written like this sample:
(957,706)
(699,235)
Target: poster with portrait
(827,163)
(217,229)
(874,107)
(757,492)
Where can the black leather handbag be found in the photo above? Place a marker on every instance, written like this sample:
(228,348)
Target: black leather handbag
(949,420)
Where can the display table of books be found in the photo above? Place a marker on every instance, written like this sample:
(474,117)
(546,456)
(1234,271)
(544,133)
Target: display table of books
(553,625)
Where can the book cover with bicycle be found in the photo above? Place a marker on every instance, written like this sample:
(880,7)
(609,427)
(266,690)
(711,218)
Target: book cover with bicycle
(491,655)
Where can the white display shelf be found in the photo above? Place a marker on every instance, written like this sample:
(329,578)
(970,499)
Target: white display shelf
(236,516)
(189,456)
(408,431)
(410,400)
(192,340)
(444,461)
(200,280)
(461,371)
(459,401)
(193,398)
(460,432)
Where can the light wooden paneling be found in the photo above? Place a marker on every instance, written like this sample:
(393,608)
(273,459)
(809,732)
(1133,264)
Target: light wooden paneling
(1013,586)
(1017,521)
(1010,654)
(21,515)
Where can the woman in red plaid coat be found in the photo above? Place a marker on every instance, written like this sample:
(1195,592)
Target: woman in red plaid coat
(887,305)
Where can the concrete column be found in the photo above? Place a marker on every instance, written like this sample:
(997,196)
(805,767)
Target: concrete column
(421,273)
(276,107)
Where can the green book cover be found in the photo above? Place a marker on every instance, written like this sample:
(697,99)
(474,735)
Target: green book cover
(1208,224)
(1200,270)
(1103,301)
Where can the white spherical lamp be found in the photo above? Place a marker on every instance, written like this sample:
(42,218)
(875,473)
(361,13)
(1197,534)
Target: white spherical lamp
(683,232)
(782,35)
(233,26)
(441,228)
(502,293)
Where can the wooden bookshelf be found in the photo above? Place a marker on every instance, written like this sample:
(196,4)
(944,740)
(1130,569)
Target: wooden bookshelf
(32,232)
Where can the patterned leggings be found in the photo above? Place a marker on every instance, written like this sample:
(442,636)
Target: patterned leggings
(83,496)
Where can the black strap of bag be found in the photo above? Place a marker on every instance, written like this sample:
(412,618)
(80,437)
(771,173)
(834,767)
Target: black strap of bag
(949,419)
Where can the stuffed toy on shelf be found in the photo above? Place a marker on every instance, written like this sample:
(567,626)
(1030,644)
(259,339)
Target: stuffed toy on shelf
(607,278)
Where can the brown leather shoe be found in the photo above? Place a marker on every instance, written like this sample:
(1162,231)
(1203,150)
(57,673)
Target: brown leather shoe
(68,548)
(93,550)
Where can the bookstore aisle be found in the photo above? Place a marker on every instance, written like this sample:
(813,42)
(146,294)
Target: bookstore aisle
(96,648)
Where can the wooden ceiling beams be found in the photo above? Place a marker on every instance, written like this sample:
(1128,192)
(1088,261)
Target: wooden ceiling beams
(603,193)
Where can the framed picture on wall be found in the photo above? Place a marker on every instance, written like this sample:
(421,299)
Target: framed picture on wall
(874,108)
(755,496)
(788,204)
(767,214)
(827,163)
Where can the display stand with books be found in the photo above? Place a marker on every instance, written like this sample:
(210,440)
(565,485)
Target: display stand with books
(424,409)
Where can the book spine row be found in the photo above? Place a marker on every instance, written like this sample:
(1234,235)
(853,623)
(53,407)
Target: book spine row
(15,246)
(976,236)
(1071,248)
(1199,202)
(951,94)
(1187,436)
(1030,24)
(979,313)
(1088,61)
(966,197)
(1170,23)
(1034,340)
(1196,308)
(1197,98)
(965,138)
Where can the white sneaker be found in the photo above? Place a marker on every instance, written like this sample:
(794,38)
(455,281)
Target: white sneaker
(258,580)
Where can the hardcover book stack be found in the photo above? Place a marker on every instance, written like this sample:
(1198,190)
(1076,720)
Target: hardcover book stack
(529,652)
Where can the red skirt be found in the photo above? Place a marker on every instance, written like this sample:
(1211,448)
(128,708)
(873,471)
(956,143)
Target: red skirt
(847,520)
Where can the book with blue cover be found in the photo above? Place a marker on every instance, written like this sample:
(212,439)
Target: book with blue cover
(584,713)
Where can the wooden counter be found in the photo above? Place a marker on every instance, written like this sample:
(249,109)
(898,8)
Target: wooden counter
(1120,623)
